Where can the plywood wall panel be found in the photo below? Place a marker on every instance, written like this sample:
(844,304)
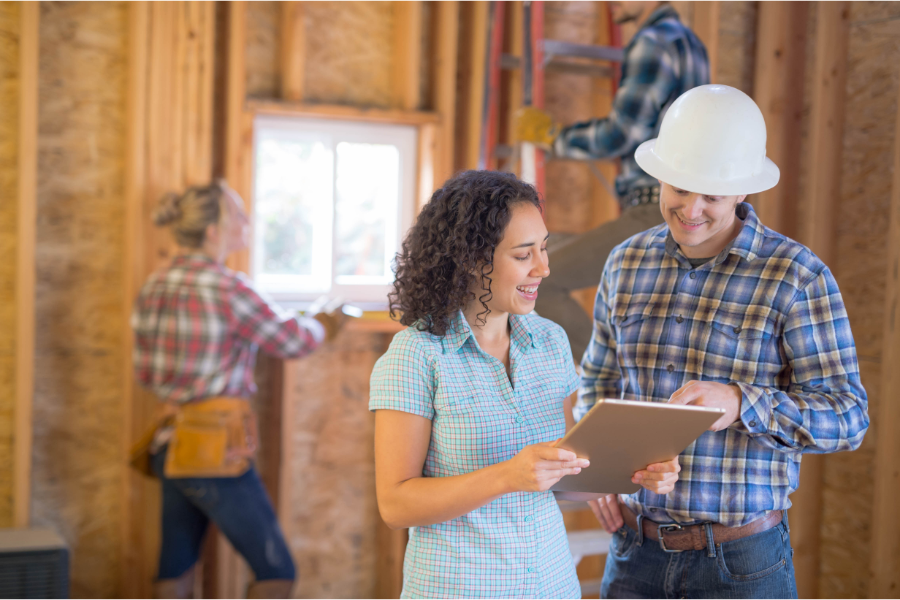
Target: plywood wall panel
(77,462)
(870,116)
(737,45)
(349,49)
(262,50)
(569,98)
(9,133)
(330,516)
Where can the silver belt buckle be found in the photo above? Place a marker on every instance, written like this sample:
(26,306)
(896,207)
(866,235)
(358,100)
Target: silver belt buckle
(665,528)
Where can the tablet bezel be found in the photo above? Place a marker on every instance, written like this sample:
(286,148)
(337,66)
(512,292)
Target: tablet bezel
(601,441)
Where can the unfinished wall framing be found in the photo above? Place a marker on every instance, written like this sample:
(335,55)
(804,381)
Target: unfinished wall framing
(9,171)
(126,113)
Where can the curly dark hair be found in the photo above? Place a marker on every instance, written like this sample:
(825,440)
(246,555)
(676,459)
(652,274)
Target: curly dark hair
(452,241)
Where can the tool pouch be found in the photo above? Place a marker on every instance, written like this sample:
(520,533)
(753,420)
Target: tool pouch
(216,437)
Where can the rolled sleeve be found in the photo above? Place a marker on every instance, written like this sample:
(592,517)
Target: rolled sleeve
(648,80)
(826,408)
(277,333)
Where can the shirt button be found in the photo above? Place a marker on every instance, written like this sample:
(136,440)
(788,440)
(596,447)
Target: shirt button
(679,319)
(531,569)
(670,368)
(737,329)
(520,420)
(528,519)
(752,423)
(693,275)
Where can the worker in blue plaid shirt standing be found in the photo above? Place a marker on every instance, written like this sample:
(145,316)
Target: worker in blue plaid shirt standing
(663,60)
(713,308)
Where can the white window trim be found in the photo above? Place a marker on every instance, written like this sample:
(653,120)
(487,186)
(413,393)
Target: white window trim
(405,136)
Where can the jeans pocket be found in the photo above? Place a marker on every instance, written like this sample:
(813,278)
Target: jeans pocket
(623,542)
(753,557)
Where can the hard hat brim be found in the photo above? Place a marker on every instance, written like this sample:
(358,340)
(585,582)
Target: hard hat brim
(647,159)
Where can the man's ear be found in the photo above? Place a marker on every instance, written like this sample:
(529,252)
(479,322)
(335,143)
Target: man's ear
(212,233)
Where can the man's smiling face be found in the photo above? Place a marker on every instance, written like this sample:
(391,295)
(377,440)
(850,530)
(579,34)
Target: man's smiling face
(701,225)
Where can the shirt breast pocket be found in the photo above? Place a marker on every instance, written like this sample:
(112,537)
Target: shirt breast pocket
(741,346)
(471,430)
(638,333)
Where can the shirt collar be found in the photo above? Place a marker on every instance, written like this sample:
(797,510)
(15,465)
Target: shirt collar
(663,12)
(746,244)
(459,331)
(192,258)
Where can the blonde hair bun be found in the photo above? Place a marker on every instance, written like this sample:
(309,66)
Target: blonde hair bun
(168,210)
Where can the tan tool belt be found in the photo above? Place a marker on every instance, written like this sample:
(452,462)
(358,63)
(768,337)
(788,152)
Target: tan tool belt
(215,437)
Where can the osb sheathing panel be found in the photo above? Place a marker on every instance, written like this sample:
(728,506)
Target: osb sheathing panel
(349,47)
(737,45)
(263,47)
(9,132)
(331,514)
(77,461)
(868,149)
(569,98)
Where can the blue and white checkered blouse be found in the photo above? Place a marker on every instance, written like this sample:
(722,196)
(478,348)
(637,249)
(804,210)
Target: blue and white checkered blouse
(515,546)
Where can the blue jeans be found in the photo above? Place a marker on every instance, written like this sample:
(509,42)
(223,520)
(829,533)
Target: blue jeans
(240,508)
(758,566)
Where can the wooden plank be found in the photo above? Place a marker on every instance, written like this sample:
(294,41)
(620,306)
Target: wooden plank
(826,128)
(885,549)
(445,29)
(425,159)
(778,90)
(706,26)
(343,113)
(819,234)
(391,544)
(198,34)
(473,82)
(26,231)
(293,50)
(511,86)
(237,141)
(605,205)
(407,58)
(132,584)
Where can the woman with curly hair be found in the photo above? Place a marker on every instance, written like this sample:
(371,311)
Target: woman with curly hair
(470,398)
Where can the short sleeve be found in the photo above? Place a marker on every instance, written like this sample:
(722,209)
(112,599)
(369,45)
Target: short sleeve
(403,378)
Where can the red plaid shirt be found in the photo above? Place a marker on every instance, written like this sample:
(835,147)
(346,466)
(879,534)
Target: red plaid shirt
(198,325)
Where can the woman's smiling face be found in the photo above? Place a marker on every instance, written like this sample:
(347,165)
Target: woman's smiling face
(520,262)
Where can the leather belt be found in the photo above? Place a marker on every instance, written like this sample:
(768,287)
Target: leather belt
(673,537)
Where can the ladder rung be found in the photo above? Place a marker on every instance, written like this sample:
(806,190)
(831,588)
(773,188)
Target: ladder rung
(559,48)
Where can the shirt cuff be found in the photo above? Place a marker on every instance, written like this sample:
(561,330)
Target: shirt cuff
(316,329)
(756,406)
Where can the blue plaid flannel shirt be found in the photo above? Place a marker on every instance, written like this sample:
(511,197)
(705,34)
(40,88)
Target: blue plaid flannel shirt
(662,61)
(765,314)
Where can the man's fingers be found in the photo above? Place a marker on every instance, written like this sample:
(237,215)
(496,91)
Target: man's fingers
(686,393)
(670,466)
(597,509)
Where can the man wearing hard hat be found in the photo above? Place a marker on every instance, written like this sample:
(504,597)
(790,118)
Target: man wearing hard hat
(713,308)
(663,60)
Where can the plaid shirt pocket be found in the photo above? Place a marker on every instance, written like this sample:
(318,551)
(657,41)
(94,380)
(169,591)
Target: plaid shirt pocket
(741,347)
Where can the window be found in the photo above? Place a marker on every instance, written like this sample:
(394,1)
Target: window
(331,202)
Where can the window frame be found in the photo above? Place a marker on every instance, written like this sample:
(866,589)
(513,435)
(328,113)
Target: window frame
(425,126)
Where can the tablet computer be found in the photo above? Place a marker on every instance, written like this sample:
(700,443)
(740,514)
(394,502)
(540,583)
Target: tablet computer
(620,437)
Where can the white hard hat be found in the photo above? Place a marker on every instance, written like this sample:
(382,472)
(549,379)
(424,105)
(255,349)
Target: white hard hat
(712,141)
